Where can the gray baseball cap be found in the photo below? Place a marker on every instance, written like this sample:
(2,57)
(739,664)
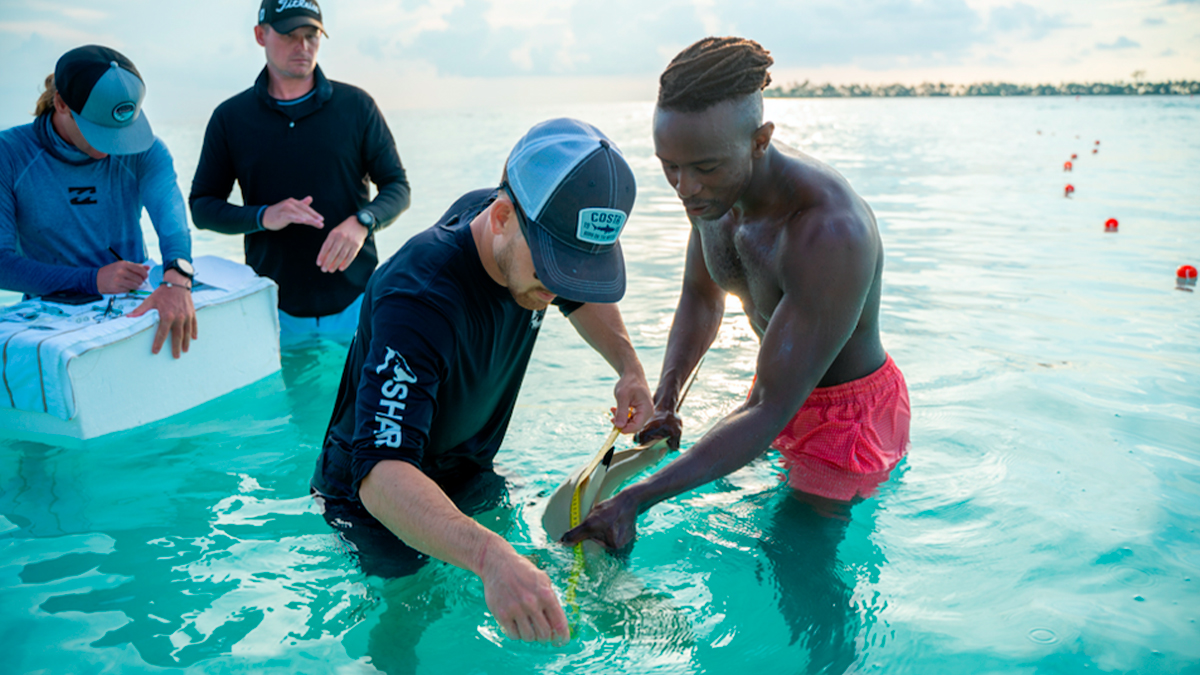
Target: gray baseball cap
(104,91)
(573,192)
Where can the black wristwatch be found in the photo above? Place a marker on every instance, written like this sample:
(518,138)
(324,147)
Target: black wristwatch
(366,219)
(182,266)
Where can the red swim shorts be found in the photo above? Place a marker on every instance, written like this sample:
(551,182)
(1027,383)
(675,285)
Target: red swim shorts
(846,439)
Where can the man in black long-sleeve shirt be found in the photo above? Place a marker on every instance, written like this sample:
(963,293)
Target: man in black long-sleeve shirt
(302,149)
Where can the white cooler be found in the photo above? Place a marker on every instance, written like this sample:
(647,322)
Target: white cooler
(73,371)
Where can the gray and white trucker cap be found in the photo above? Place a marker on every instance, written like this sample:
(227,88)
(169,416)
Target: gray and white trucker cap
(573,192)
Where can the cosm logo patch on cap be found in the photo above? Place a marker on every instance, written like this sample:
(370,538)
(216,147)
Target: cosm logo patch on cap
(123,112)
(600,226)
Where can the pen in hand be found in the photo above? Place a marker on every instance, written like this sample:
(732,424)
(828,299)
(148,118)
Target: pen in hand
(120,259)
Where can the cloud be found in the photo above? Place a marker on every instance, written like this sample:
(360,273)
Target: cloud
(1026,20)
(1169,53)
(55,31)
(196,54)
(68,11)
(1121,43)
(491,38)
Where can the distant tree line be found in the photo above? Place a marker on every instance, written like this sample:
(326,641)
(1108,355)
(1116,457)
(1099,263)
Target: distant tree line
(808,90)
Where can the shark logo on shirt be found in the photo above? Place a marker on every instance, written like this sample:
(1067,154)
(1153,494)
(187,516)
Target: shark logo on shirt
(393,393)
(535,321)
(402,370)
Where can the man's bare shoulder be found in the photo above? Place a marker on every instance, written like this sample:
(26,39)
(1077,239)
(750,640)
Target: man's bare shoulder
(813,184)
(819,202)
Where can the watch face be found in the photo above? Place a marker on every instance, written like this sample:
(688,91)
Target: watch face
(185,267)
(366,218)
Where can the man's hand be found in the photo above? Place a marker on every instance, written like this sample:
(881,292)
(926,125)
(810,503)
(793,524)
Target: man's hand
(121,277)
(665,424)
(521,597)
(633,395)
(288,211)
(176,315)
(612,522)
(342,245)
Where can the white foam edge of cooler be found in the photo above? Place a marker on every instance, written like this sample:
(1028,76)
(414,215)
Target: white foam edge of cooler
(122,385)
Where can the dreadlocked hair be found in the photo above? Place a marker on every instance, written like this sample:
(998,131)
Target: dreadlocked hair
(712,70)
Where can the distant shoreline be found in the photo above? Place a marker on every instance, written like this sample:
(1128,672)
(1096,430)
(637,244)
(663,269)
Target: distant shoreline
(929,89)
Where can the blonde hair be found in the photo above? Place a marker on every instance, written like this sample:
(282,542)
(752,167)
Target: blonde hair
(45,102)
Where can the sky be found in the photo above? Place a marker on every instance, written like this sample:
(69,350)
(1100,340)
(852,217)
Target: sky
(456,53)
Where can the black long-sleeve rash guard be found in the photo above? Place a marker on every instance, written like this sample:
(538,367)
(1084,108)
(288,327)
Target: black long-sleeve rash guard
(435,368)
(326,146)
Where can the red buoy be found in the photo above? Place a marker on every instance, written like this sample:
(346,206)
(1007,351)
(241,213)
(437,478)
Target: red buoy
(1074,156)
(1097,142)
(1068,190)
(1110,225)
(1067,166)
(1186,272)
(1094,151)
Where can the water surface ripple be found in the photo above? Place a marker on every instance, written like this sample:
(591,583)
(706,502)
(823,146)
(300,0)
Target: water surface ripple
(1045,520)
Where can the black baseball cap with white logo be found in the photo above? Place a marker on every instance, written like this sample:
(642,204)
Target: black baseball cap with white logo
(286,16)
(573,192)
(104,91)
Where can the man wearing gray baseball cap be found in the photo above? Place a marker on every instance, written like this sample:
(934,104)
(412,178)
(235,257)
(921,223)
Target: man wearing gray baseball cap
(447,328)
(72,187)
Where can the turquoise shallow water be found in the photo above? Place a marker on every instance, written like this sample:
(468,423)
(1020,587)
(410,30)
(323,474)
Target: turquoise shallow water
(1044,522)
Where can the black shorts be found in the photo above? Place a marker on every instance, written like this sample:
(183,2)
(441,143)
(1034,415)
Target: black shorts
(381,553)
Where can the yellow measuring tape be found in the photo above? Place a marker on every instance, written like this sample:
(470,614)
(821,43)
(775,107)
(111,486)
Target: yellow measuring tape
(585,478)
(577,516)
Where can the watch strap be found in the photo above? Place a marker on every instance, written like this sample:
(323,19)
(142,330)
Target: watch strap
(174,265)
(367,219)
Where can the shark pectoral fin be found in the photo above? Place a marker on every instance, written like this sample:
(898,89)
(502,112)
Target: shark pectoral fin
(629,463)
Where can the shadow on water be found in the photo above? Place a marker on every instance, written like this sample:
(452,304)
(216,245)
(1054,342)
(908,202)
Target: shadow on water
(817,550)
(311,373)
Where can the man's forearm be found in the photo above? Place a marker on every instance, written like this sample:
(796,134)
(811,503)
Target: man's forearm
(697,321)
(18,273)
(218,215)
(417,511)
(733,443)
(159,188)
(601,326)
(393,199)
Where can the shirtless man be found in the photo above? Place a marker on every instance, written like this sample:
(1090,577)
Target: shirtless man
(788,236)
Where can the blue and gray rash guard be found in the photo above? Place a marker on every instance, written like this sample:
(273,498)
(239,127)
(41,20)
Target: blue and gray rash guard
(61,210)
(434,370)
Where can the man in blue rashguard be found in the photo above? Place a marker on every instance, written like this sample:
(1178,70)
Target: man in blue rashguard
(72,187)
(445,335)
